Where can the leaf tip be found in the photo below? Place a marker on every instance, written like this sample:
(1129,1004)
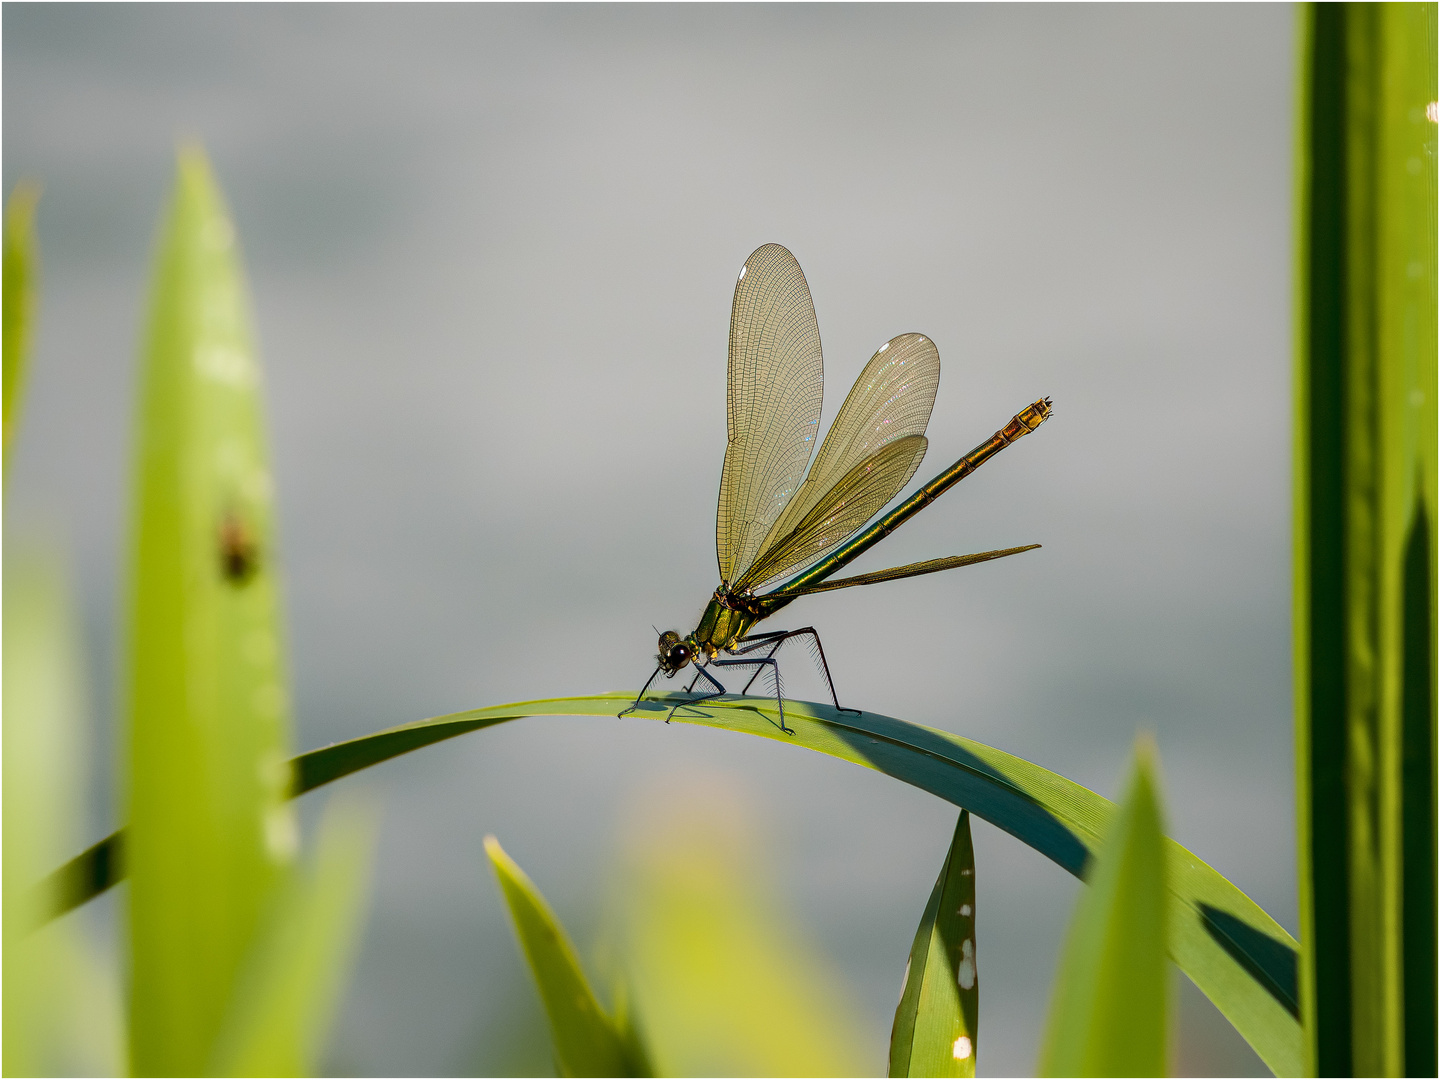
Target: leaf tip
(505,866)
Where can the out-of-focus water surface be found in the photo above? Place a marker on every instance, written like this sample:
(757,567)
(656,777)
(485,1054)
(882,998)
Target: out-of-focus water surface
(492,251)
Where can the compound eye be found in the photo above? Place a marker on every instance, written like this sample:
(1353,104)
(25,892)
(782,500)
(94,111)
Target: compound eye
(680,653)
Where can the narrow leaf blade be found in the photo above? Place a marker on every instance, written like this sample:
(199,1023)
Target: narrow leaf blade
(210,832)
(289,990)
(724,976)
(62,1011)
(937,1023)
(21,268)
(587,1041)
(1365,492)
(1236,954)
(1110,1008)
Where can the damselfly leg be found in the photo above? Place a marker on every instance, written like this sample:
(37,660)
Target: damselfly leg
(640,696)
(700,673)
(777,638)
(759,662)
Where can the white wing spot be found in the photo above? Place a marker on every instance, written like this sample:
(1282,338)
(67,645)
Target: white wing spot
(962,1048)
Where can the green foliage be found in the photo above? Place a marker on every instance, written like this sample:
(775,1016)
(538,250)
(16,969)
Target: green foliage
(1232,950)
(288,992)
(937,1023)
(210,832)
(587,1041)
(236,957)
(1110,1008)
(21,269)
(62,1007)
(237,960)
(1365,506)
(724,980)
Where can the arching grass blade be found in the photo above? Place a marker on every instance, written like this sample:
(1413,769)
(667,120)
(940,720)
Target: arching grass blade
(1109,1013)
(1238,956)
(937,1022)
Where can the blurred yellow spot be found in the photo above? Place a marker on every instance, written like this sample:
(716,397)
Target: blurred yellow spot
(282,834)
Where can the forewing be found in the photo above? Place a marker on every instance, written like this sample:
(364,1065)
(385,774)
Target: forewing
(773,408)
(891,399)
(850,503)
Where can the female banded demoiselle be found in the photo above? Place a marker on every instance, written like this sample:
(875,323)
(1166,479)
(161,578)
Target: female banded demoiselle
(774,518)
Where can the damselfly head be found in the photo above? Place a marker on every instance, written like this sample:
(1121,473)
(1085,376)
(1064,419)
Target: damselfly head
(675,653)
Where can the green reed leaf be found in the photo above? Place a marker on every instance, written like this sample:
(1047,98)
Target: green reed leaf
(721,971)
(62,1014)
(20,285)
(1238,956)
(937,1023)
(290,987)
(210,833)
(1109,1013)
(1365,514)
(587,1041)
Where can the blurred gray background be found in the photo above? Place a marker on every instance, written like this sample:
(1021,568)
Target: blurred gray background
(492,251)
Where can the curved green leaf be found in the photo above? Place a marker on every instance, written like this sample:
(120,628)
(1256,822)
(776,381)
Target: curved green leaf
(210,831)
(21,266)
(291,984)
(1109,1013)
(1240,957)
(587,1041)
(62,1012)
(937,1022)
(716,962)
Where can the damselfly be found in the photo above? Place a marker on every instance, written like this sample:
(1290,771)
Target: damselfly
(774,518)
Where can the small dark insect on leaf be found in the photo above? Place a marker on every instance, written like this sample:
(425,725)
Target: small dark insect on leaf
(239,552)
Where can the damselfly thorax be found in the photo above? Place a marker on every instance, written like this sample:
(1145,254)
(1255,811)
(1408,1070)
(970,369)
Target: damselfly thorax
(778,519)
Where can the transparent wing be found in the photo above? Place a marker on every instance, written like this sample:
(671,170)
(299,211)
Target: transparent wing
(892,398)
(930,566)
(844,508)
(776,381)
